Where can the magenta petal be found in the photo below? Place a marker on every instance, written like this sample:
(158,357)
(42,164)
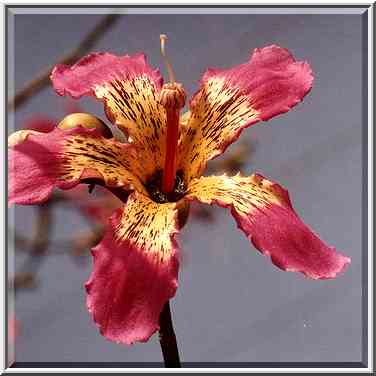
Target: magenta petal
(129,285)
(279,233)
(129,89)
(263,210)
(230,100)
(273,80)
(100,69)
(40,161)
(33,169)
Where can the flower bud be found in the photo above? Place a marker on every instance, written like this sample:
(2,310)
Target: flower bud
(85,120)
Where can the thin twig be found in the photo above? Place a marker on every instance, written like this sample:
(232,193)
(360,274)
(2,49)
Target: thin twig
(43,78)
(42,229)
(38,244)
(21,242)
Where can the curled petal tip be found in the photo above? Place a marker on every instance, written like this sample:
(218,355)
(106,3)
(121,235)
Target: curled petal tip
(19,137)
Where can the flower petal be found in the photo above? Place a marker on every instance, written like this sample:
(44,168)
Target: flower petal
(135,270)
(262,209)
(38,162)
(230,100)
(129,88)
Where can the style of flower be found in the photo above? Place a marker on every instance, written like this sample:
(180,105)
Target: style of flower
(160,171)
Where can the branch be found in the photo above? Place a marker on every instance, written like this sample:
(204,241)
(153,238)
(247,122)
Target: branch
(38,248)
(43,78)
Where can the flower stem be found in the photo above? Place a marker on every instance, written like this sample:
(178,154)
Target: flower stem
(167,339)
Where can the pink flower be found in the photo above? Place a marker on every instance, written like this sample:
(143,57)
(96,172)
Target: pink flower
(136,264)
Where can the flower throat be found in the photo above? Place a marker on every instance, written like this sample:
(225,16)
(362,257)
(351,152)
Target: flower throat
(156,193)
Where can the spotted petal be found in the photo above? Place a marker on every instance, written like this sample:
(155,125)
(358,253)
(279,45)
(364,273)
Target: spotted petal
(230,100)
(262,209)
(38,162)
(129,88)
(135,270)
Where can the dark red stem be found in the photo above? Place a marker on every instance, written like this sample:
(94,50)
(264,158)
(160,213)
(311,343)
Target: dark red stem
(167,339)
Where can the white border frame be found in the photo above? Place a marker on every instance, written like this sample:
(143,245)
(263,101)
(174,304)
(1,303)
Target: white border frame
(3,287)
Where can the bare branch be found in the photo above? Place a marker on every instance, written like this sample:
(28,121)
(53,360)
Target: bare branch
(43,78)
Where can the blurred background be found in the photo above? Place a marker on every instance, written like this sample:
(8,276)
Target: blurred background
(232,304)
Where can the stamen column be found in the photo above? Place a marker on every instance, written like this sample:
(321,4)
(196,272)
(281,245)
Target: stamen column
(172,98)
